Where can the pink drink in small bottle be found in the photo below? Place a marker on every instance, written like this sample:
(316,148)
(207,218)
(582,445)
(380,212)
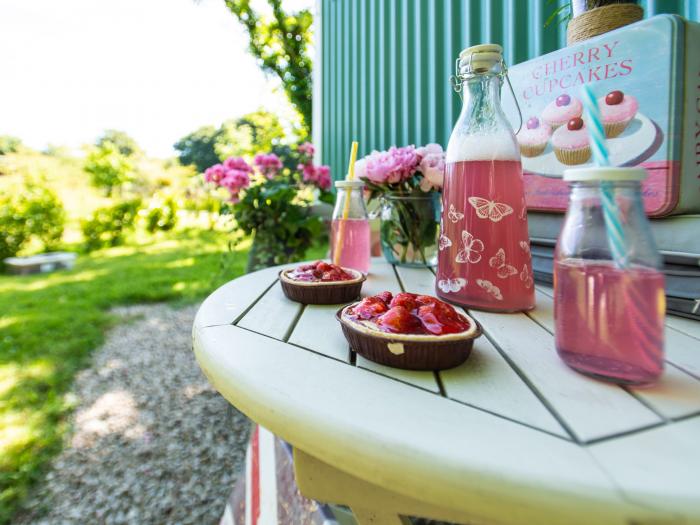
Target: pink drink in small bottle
(484,250)
(354,244)
(610,321)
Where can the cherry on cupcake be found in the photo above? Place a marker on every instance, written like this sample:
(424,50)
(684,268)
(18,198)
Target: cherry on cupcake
(563,100)
(533,123)
(575,124)
(614,98)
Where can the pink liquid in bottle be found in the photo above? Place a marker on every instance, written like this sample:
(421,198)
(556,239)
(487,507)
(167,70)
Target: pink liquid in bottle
(355,251)
(484,257)
(610,321)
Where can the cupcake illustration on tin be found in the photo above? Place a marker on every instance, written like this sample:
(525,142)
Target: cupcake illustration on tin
(533,137)
(570,142)
(562,110)
(617,110)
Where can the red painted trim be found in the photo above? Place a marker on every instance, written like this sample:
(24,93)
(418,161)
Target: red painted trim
(255,477)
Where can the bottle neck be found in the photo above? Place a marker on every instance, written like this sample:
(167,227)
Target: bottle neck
(482,98)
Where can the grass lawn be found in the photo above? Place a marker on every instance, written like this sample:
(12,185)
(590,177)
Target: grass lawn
(49,324)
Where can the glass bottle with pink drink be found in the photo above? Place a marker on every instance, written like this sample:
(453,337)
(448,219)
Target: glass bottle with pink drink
(609,313)
(350,235)
(484,249)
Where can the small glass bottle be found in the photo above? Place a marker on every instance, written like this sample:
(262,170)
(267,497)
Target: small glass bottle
(484,249)
(350,236)
(609,314)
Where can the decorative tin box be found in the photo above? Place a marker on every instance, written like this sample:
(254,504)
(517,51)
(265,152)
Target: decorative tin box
(652,119)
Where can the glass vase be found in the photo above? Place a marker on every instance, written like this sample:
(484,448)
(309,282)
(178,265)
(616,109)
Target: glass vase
(409,228)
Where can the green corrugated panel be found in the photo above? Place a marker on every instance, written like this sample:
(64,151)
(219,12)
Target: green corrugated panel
(386,63)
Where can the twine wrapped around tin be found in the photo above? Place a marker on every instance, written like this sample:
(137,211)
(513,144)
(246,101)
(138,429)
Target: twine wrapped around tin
(601,20)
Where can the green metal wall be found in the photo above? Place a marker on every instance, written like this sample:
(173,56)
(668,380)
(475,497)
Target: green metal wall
(385,64)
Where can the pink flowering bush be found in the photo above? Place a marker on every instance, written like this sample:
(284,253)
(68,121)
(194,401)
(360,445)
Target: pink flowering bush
(233,174)
(269,164)
(264,198)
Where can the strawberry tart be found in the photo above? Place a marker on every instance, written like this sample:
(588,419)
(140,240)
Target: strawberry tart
(321,283)
(410,331)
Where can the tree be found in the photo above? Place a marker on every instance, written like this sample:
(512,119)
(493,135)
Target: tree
(199,148)
(124,143)
(110,169)
(9,144)
(259,131)
(281,43)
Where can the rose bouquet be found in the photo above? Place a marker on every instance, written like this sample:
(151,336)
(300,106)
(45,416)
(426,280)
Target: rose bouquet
(271,201)
(407,181)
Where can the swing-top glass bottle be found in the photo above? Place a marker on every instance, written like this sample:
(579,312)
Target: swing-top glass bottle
(484,250)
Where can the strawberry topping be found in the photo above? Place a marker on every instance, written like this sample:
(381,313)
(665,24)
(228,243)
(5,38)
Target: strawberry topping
(407,313)
(320,271)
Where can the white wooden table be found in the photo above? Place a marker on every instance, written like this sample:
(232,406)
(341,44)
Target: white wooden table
(511,436)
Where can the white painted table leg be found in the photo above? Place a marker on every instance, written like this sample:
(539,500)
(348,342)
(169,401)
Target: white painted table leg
(370,503)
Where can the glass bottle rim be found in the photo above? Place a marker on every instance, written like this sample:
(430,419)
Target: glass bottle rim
(349,184)
(605,174)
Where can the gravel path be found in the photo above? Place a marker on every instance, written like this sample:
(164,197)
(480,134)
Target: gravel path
(152,441)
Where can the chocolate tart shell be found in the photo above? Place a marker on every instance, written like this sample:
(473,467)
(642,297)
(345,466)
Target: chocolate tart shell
(337,292)
(409,354)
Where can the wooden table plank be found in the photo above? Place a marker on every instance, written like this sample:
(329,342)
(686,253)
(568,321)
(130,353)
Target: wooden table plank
(229,301)
(402,437)
(683,351)
(667,479)
(592,409)
(272,315)
(689,327)
(381,278)
(319,331)
(425,380)
(486,381)
(417,280)
(676,394)
(544,310)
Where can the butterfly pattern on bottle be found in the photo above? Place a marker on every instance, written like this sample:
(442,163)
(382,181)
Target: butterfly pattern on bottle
(492,210)
(498,262)
(525,277)
(523,211)
(471,249)
(525,246)
(452,285)
(490,288)
(454,215)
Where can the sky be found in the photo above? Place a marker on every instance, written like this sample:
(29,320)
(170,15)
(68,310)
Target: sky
(157,69)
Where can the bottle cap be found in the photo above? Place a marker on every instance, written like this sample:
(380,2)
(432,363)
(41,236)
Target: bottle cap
(479,59)
(612,174)
(349,184)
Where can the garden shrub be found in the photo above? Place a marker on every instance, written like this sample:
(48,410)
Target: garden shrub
(161,214)
(109,169)
(108,226)
(32,212)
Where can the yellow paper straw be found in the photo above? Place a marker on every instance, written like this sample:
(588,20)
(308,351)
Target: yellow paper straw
(340,232)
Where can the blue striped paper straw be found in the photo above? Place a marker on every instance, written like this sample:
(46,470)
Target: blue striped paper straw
(611,214)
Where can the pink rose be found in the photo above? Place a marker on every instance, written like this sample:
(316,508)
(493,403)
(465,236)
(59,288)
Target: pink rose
(433,169)
(389,167)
